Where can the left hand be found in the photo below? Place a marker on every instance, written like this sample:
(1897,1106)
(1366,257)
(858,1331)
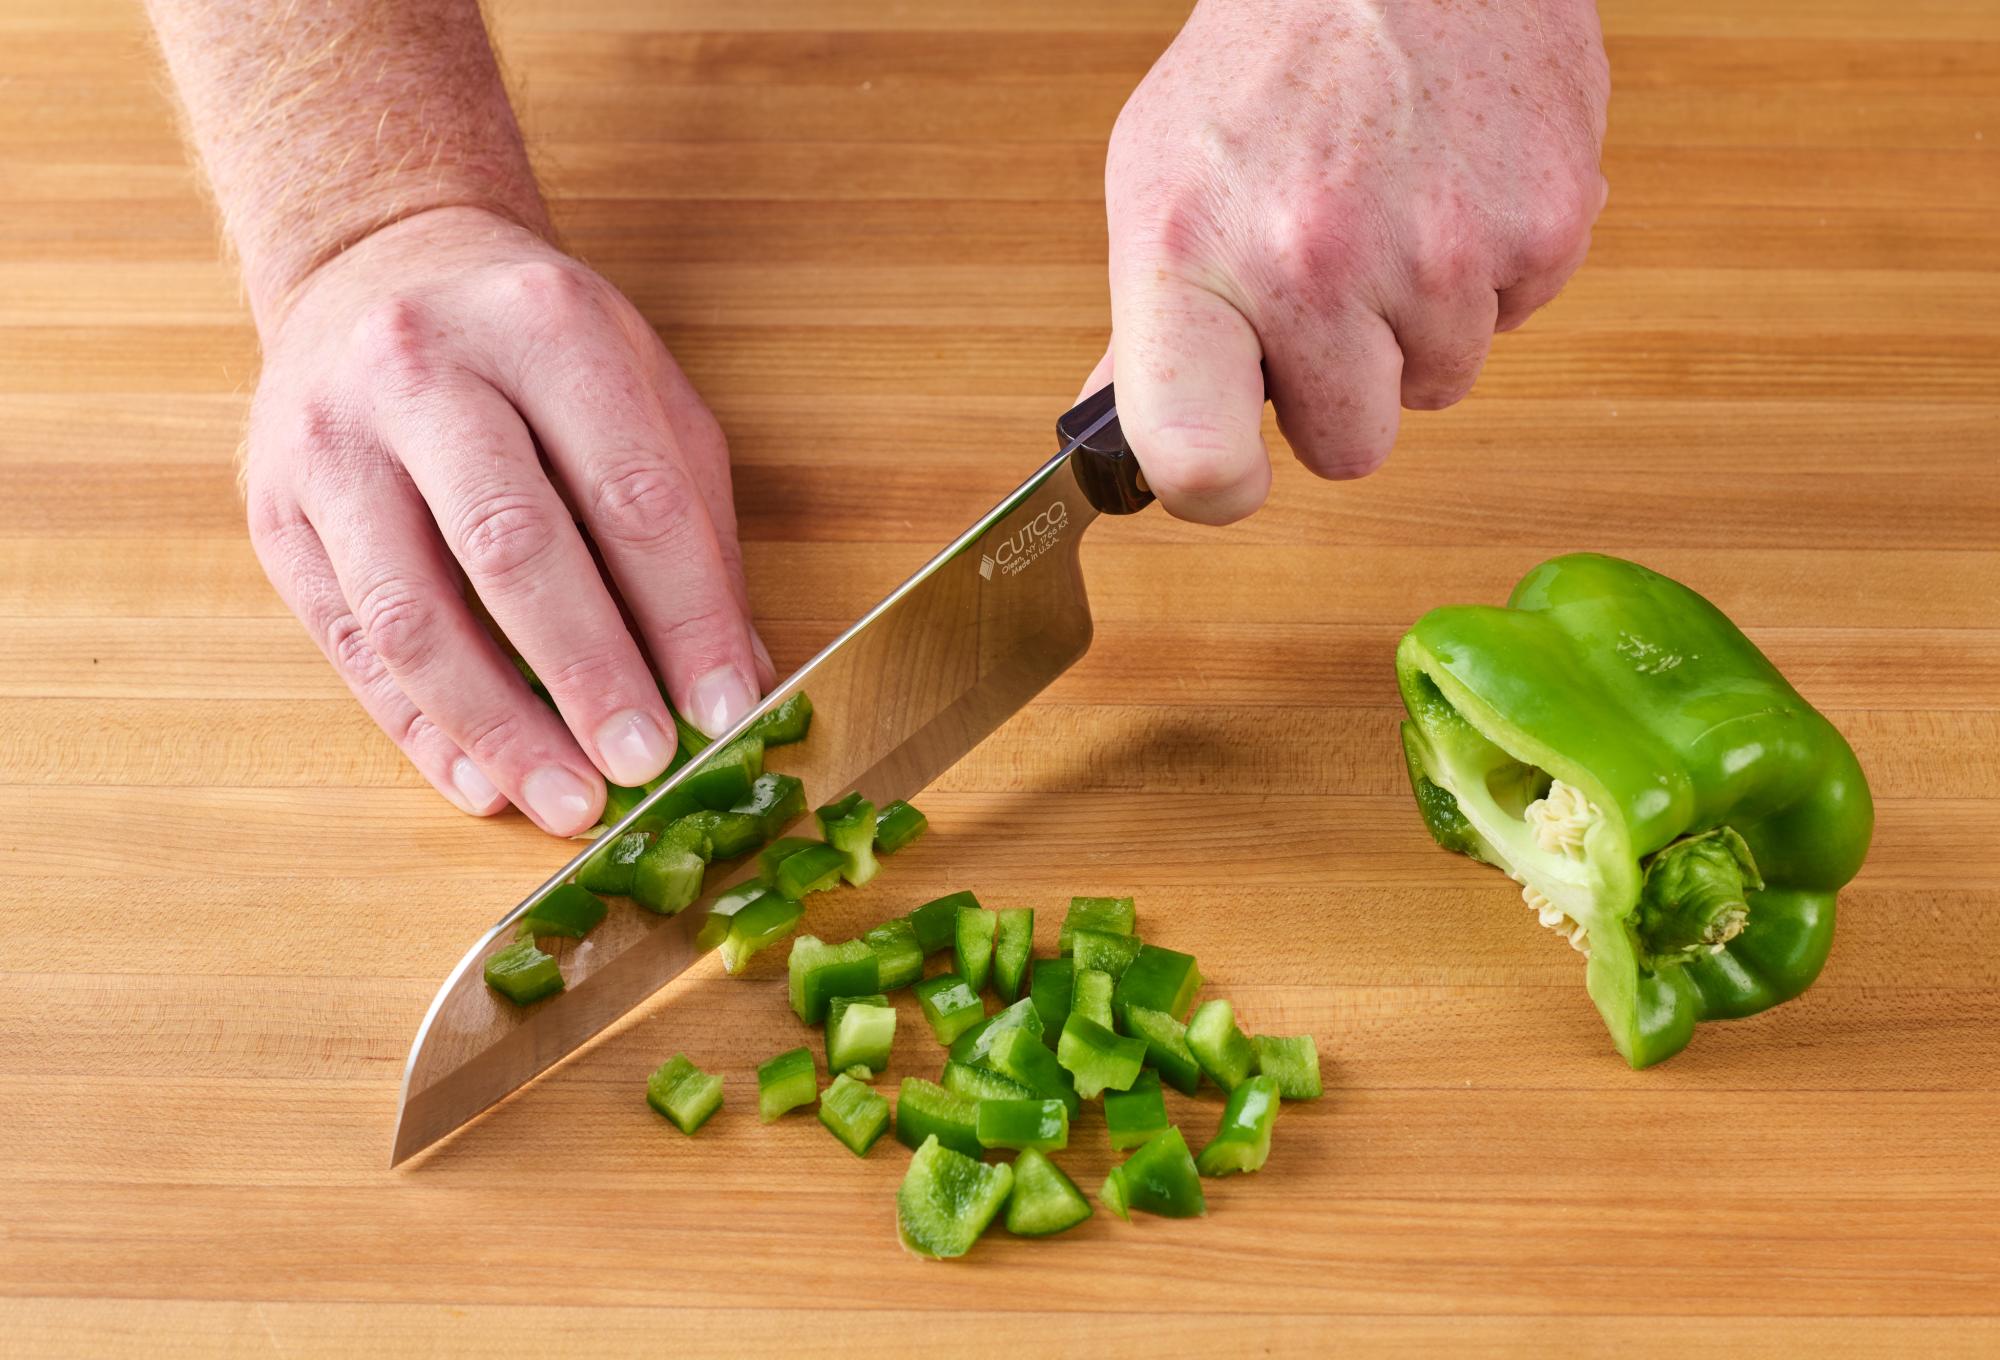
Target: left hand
(1338,202)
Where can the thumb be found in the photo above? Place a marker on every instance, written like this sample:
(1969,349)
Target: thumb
(1190,397)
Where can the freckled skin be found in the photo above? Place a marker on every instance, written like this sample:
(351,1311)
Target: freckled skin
(1332,203)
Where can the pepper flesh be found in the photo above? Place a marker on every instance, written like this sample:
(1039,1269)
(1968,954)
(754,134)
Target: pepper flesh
(785,724)
(1044,1200)
(1131,1118)
(976,1042)
(1021,1056)
(1091,995)
(568,911)
(860,1031)
(936,923)
(814,869)
(1022,1124)
(1590,740)
(1158,979)
(897,825)
(853,1113)
(925,1109)
(684,1093)
(785,1083)
(1243,1142)
(947,1199)
(819,971)
(899,957)
(1013,942)
(610,869)
(849,827)
(972,945)
(1222,1049)
(523,973)
(1052,988)
(1166,1047)
(1103,951)
(950,1007)
(1292,1062)
(1159,1178)
(1098,1058)
(1112,915)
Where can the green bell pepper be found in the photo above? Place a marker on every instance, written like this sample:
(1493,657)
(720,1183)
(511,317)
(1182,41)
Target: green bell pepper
(745,920)
(785,724)
(947,1199)
(776,801)
(814,869)
(936,923)
(776,853)
(818,972)
(1669,803)
(1159,1178)
(1042,1125)
(785,1083)
(1243,1142)
(568,911)
(1013,942)
(1103,951)
(1167,1048)
(972,945)
(1223,1050)
(611,866)
(1131,1118)
(522,973)
(684,1093)
(900,957)
(1111,915)
(1292,1062)
(897,825)
(860,1031)
(1020,1056)
(978,1041)
(1051,987)
(950,1007)
(1158,979)
(977,1083)
(1099,1059)
(853,1113)
(1091,995)
(1044,1200)
(849,827)
(715,835)
(925,1109)
(724,777)
(667,877)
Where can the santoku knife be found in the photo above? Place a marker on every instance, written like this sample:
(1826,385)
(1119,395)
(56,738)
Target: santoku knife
(918,682)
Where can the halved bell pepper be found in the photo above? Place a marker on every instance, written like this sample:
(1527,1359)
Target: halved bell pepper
(897,825)
(1131,1118)
(1022,1124)
(849,827)
(684,1093)
(972,945)
(785,1083)
(1159,1178)
(1158,979)
(925,1109)
(568,911)
(1292,1062)
(1013,942)
(1044,1200)
(853,1113)
(820,971)
(1222,1049)
(1103,951)
(1112,915)
(522,973)
(936,923)
(1099,1059)
(1669,803)
(1243,1142)
(947,1199)
(611,866)
(901,958)
(1166,1047)
(950,1007)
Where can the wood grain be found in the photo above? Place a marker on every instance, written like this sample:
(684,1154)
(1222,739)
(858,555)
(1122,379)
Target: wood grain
(867,227)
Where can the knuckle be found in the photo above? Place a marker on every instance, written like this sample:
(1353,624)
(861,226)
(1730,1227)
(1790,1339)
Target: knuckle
(500,534)
(550,290)
(490,737)
(640,499)
(399,622)
(596,671)
(397,339)
(1558,230)
(697,633)
(347,645)
(1315,239)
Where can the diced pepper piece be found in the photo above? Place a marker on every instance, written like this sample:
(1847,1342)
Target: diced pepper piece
(684,1093)
(860,1031)
(947,1199)
(974,1044)
(776,853)
(1092,996)
(721,911)
(950,1007)
(692,741)
(901,957)
(856,1115)
(1160,980)
(822,971)
(1131,1118)
(976,1083)
(861,1072)
(523,974)
(1099,1059)
(670,809)
(1160,1178)
(1243,1141)
(776,801)
(667,877)
(1223,1050)
(1166,1047)
(715,835)
(785,724)
(1293,1062)
(1044,1201)
(1054,981)
(785,1083)
(725,776)
(936,923)
(1105,952)
(610,868)
(568,911)
(762,922)
(925,1109)
(813,869)
(619,800)
(1021,1124)
(897,825)
(972,945)
(1021,1056)
(1111,915)
(849,827)
(1013,942)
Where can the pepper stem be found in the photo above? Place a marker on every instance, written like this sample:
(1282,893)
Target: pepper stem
(1695,896)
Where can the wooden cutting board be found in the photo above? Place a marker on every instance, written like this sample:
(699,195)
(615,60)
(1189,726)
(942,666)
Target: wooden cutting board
(872,234)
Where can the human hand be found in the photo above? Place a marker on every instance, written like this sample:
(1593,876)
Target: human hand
(435,402)
(1337,203)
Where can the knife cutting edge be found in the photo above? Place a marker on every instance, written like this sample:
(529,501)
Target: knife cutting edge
(899,697)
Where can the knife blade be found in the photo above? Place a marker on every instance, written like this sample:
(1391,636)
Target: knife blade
(900,696)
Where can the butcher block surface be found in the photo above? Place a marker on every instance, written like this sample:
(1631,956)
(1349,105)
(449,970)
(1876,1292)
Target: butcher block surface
(872,232)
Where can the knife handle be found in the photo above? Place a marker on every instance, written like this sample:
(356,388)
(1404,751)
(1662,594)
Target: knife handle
(1106,468)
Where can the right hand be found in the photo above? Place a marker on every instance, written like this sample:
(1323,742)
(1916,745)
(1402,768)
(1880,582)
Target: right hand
(434,402)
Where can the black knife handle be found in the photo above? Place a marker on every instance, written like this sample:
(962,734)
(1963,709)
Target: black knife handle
(1105,466)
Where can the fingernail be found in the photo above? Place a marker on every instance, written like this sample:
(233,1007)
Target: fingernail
(558,799)
(721,699)
(633,746)
(475,788)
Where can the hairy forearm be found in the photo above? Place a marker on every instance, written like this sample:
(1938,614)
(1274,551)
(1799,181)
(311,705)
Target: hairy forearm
(321,121)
